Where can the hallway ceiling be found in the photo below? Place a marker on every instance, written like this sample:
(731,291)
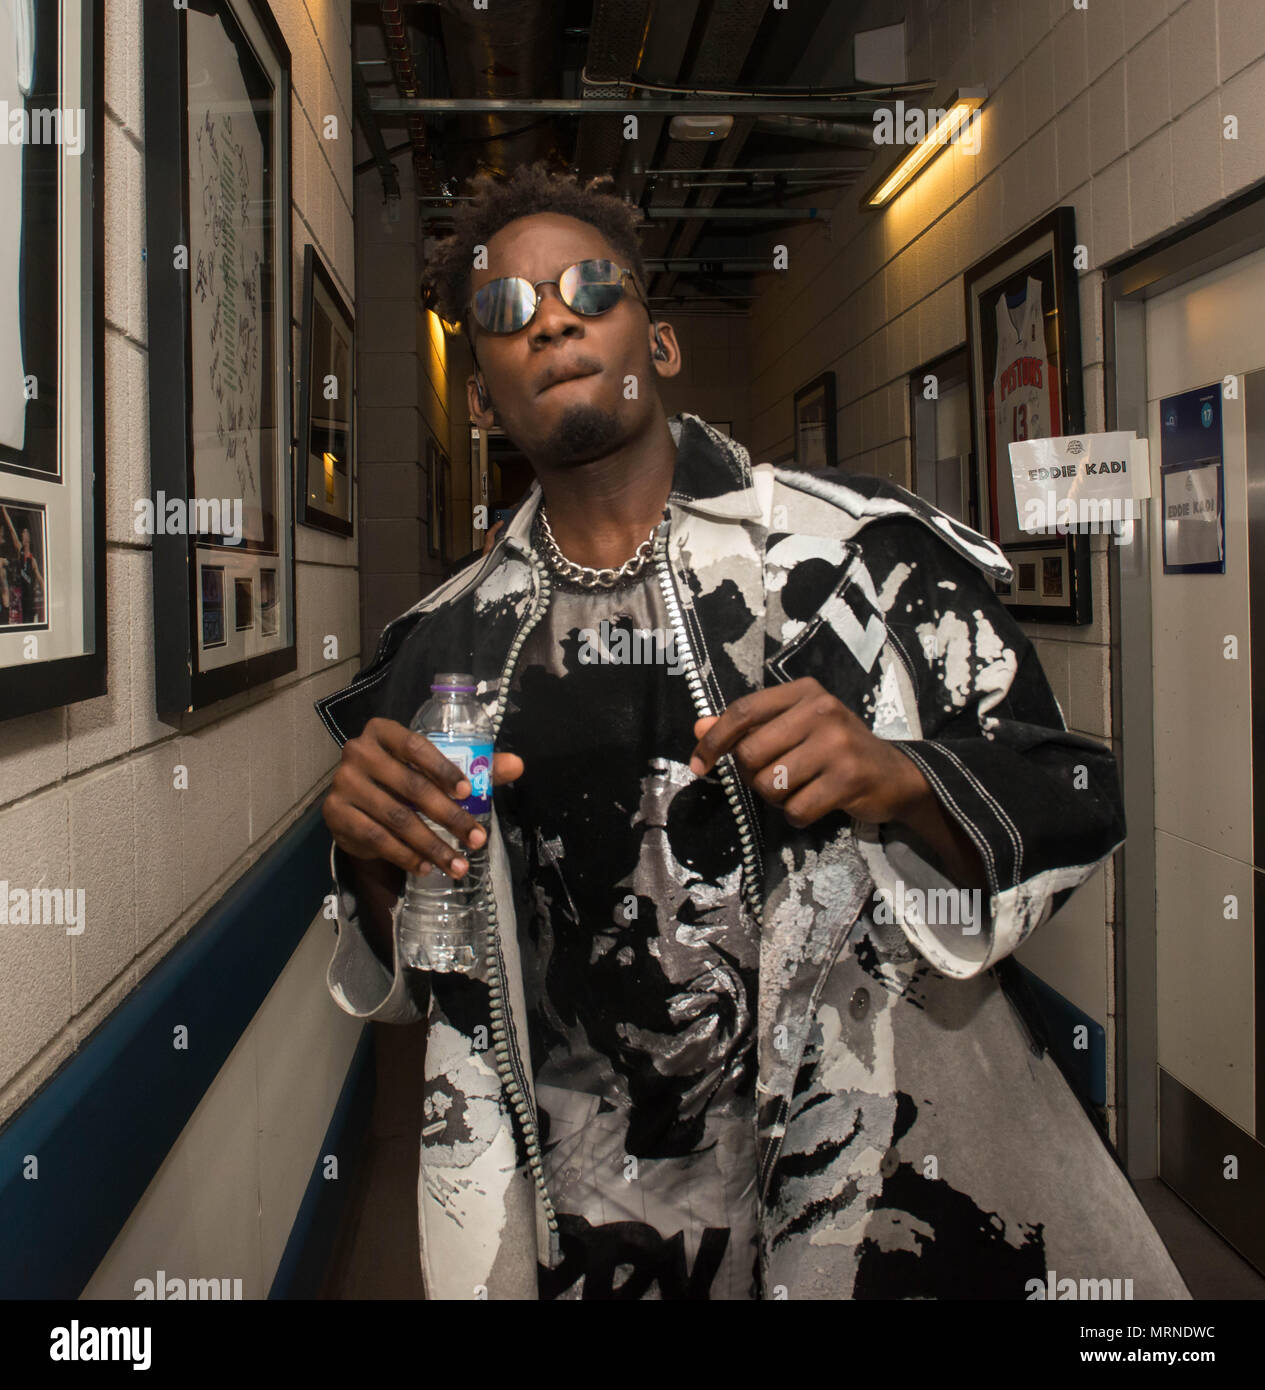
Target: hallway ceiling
(580,51)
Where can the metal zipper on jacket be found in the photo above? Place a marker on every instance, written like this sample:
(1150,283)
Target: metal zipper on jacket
(752,870)
(513,1082)
(899,649)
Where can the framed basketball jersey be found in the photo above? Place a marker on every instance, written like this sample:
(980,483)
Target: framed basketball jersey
(1023,397)
(1023,339)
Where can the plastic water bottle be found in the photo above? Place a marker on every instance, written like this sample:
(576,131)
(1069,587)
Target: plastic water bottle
(442,921)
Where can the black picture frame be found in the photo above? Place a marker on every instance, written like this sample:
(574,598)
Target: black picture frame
(230,286)
(1047,381)
(52,441)
(942,471)
(212,607)
(814,432)
(327,320)
(1192,441)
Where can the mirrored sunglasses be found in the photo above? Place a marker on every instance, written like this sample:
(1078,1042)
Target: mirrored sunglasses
(588,287)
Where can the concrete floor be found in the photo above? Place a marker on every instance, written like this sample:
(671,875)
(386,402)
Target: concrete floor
(376,1255)
(1210,1267)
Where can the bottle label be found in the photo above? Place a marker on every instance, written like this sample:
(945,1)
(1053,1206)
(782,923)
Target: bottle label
(475,762)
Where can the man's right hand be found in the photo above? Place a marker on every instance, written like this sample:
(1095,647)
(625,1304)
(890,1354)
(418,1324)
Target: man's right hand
(385,777)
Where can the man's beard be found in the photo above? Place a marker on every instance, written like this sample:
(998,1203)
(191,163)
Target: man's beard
(583,434)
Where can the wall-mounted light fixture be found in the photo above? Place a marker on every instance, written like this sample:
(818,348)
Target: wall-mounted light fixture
(927,132)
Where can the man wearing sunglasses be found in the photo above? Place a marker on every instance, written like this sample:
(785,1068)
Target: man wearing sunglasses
(779,786)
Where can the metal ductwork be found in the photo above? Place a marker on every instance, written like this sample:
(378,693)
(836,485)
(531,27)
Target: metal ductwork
(618,34)
(857,135)
(722,37)
(511,49)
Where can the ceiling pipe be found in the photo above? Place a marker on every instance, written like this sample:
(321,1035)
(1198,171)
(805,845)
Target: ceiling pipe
(762,183)
(857,135)
(400,56)
(656,106)
(508,56)
(670,214)
(381,156)
(740,214)
(759,169)
(618,42)
(730,265)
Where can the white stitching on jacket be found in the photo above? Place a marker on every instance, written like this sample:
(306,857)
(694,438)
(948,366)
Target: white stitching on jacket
(969,825)
(1011,829)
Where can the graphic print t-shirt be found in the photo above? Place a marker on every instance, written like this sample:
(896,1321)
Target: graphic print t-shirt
(640,959)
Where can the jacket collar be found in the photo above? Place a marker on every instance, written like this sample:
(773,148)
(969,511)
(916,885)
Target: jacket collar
(713,478)
(713,472)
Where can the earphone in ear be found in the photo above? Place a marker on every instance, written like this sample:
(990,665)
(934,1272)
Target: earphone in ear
(480,393)
(660,351)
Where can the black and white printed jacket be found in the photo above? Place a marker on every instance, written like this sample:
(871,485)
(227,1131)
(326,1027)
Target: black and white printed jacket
(913,1138)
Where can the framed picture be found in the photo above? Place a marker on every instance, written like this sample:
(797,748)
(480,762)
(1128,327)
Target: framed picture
(815,423)
(1023,339)
(244,603)
(326,454)
(23,564)
(439,473)
(268,602)
(1192,481)
(940,437)
(217,171)
(52,454)
(212,606)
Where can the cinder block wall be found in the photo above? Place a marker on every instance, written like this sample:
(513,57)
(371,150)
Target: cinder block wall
(1117,110)
(714,372)
(395,567)
(86,794)
(401,358)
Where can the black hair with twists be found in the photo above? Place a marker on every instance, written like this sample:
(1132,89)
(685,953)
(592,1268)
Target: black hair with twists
(531,189)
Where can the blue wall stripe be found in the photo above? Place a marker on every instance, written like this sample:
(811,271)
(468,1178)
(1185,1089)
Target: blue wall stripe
(103,1124)
(315,1230)
(1085,1068)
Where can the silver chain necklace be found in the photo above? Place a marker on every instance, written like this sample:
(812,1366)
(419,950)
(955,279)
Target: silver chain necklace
(593,578)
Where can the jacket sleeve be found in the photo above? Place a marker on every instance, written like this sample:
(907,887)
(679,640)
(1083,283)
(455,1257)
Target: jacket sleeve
(1041,805)
(358,980)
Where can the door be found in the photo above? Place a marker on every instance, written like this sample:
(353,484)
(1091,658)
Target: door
(1206,366)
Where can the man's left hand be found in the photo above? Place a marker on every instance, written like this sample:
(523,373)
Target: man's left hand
(802,749)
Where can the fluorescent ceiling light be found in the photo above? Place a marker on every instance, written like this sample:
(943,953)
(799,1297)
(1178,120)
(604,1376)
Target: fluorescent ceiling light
(949,121)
